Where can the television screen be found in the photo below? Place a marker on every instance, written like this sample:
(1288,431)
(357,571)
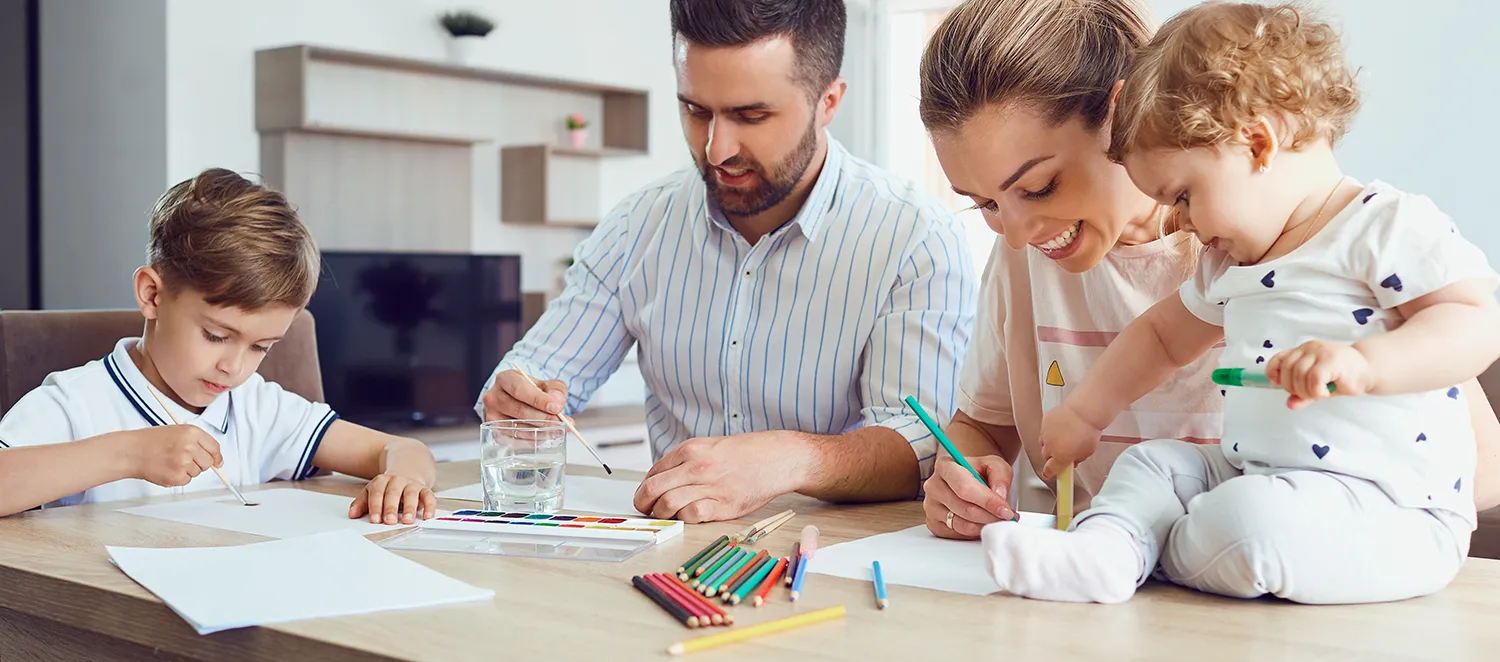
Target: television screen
(409,339)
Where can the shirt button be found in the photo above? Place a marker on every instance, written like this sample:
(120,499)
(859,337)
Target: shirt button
(749,273)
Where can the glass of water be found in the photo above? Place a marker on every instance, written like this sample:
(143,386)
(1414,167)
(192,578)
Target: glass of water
(521,465)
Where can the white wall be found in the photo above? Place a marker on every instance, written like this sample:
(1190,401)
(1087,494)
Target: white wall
(210,69)
(1428,75)
(103,143)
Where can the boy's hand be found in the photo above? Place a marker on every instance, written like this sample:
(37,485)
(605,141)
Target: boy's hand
(1067,439)
(173,455)
(394,499)
(1306,370)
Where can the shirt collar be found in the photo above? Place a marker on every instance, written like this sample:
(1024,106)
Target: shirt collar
(143,397)
(821,199)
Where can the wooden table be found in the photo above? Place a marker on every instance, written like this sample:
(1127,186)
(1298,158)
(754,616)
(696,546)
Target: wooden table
(61,599)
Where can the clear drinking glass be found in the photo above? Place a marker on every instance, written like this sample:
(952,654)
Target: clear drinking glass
(521,465)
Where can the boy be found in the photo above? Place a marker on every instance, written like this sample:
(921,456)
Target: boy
(229,267)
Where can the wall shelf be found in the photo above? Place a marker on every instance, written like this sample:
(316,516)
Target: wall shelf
(379,150)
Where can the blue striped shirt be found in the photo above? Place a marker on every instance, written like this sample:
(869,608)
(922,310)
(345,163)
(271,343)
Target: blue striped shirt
(823,326)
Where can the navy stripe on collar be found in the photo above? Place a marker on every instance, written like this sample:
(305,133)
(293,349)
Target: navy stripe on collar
(3,444)
(130,394)
(305,468)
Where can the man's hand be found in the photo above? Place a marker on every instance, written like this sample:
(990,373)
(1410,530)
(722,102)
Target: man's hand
(515,396)
(721,478)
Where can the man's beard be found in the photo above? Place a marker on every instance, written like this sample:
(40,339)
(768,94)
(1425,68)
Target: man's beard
(774,184)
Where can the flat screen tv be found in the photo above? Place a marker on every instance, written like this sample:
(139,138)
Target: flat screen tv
(409,339)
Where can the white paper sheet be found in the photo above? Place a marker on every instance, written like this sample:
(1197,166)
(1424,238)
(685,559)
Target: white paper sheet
(915,557)
(328,574)
(585,494)
(282,513)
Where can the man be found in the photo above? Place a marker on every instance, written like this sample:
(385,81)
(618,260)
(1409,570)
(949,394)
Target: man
(785,295)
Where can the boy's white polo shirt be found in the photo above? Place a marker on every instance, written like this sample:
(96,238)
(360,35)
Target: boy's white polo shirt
(264,432)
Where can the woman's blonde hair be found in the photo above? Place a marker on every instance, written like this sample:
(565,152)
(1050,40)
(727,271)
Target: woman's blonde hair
(1059,57)
(1218,67)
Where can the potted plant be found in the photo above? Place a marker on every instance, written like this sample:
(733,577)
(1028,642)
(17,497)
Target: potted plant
(578,130)
(465,29)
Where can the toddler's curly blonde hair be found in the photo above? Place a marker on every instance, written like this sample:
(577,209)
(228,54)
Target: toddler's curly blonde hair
(1218,67)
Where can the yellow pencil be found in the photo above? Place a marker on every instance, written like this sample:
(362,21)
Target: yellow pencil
(711,641)
(1065,498)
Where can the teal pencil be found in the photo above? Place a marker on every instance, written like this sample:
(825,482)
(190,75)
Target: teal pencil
(702,573)
(942,438)
(711,587)
(754,581)
(686,569)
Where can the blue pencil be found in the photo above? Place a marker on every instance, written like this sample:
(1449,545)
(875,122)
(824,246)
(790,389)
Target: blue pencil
(880,599)
(801,575)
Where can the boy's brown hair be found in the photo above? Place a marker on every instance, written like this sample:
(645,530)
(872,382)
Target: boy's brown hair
(237,243)
(1219,66)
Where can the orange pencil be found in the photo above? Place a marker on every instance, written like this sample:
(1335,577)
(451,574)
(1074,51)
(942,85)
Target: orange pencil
(728,617)
(765,589)
(704,614)
(743,571)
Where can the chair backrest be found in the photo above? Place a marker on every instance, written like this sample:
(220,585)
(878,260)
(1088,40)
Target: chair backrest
(34,344)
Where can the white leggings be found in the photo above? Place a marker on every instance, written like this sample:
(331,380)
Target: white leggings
(1307,536)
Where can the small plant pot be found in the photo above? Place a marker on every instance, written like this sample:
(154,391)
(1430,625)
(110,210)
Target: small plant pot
(578,137)
(464,50)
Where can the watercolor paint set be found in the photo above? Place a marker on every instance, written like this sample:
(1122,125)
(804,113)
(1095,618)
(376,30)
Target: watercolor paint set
(536,535)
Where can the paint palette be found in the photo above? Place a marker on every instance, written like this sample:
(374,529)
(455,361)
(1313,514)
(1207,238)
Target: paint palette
(536,535)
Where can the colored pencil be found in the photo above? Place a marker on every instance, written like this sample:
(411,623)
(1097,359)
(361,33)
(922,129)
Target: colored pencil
(741,634)
(801,574)
(880,599)
(713,563)
(749,584)
(936,431)
(765,588)
(755,537)
(704,615)
(715,586)
(728,617)
(791,564)
(761,560)
(712,580)
(687,568)
(677,611)
(1065,498)
(739,575)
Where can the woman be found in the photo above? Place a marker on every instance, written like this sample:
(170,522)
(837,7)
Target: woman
(1017,96)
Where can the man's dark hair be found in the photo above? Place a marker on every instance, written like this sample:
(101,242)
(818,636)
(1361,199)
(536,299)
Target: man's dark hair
(815,28)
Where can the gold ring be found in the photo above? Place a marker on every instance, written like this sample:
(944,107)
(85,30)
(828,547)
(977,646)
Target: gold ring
(949,520)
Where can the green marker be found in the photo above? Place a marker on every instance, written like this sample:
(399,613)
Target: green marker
(1247,378)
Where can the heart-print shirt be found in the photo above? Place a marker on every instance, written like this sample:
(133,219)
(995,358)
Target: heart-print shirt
(1385,249)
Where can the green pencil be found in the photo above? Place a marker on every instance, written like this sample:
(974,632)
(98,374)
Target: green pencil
(942,438)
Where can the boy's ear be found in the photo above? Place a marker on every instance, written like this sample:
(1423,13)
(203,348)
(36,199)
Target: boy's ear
(148,292)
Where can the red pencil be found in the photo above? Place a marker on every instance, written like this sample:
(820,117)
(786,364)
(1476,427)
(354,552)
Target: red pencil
(728,617)
(765,589)
(704,614)
(682,614)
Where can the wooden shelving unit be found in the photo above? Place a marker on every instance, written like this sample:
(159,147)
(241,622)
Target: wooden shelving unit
(379,149)
(554,186)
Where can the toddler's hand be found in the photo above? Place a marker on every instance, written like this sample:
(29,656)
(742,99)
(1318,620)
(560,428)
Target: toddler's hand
(1306,371)
(1067,439)
(394,499)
